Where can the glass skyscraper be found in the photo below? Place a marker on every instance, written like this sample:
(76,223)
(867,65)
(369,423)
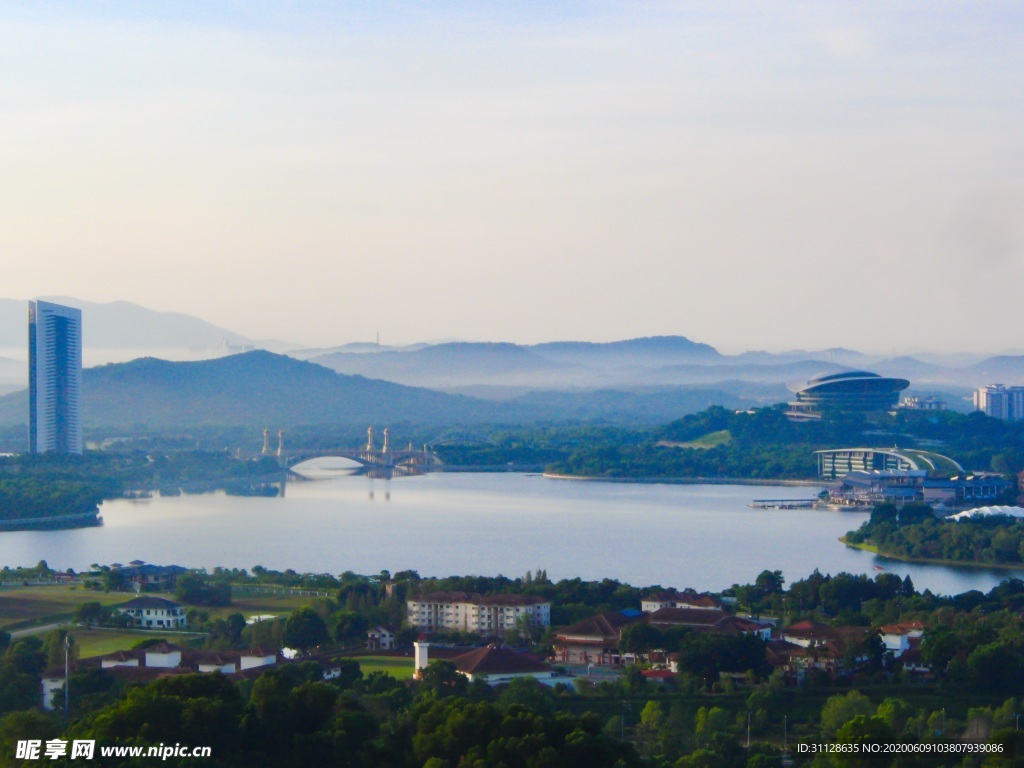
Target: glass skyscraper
(54,378)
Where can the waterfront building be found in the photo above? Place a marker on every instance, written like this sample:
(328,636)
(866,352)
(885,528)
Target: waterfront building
(493,615)
(838,462)
(897,486)
(54,378)
(1000,402)
(832,395)
(902,475)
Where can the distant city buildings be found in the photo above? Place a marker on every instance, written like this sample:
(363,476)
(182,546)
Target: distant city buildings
(846,393)
(54,378)
(913,403)
(999,402)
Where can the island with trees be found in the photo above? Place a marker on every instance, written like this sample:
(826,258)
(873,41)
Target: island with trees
(915,533)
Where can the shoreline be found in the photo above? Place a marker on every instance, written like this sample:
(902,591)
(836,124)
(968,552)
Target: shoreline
(686,480)
(933,560)
(55,523)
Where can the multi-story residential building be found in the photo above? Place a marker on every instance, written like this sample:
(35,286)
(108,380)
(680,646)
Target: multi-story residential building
(494,615)
(1000,402)
(54,378)
(672,599)
(154,613)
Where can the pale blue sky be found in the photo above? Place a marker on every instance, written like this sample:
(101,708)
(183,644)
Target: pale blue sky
(751,175)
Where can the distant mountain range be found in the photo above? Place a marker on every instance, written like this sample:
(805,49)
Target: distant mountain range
(255,388)
(265,389)
(648,376)
(120,324)
(661,361)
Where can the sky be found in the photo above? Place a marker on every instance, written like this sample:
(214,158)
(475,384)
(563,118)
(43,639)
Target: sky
(751,175)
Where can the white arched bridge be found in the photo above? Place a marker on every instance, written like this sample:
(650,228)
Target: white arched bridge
(386,456)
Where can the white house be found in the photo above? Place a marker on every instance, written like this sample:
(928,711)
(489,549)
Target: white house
(672,599)
(162,660)
(897,637)
(154,612)
(380,638)
(493,664)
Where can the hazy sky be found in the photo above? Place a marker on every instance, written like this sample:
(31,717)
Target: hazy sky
(751,175)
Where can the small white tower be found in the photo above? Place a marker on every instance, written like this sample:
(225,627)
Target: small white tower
(421,656)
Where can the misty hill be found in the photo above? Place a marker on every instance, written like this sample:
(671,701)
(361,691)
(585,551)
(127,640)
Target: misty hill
(548,365)
(835,356)
(665,361)
(454,364)
(355,348)
(650,351)
(120,324)
(1002,369)
(255,388)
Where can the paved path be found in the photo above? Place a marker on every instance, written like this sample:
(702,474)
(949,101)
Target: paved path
(17,634)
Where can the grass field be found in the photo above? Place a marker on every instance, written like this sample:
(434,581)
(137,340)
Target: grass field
(22,607)
(397,667)
(25,606)
(249,604)
(96,642)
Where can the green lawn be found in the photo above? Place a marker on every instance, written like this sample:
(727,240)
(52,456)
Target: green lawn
(25,606)
(22,607)
(96,642)
(396,666)
(249,604)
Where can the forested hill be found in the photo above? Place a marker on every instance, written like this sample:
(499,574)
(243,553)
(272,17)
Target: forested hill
(763,443)
(256,388)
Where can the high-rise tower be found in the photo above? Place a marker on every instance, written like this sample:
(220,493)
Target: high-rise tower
(54,377)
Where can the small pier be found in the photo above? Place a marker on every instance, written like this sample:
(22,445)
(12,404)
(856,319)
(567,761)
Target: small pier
(783,503)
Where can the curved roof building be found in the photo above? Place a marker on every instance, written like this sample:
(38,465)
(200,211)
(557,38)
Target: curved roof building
(847,392)
(839,462)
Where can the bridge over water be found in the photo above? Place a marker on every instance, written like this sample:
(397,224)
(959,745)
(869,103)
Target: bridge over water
(370,455)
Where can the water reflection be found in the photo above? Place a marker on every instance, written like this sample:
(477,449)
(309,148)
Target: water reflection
(705,537)
(331,468)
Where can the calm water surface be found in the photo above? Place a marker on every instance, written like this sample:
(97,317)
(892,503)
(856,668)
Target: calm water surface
(702,536)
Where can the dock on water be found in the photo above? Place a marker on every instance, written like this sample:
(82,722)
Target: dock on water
(783,503)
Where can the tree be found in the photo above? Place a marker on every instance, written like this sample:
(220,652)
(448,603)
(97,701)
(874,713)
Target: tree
(195,588)
(652,719)
(769,582)
(996,667)
(640,639)
(839,710)
(89,614)
(442,679)
(350,627)
(861,729)
(304,629)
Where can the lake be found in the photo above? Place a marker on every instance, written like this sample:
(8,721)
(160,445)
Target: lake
(439,524)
